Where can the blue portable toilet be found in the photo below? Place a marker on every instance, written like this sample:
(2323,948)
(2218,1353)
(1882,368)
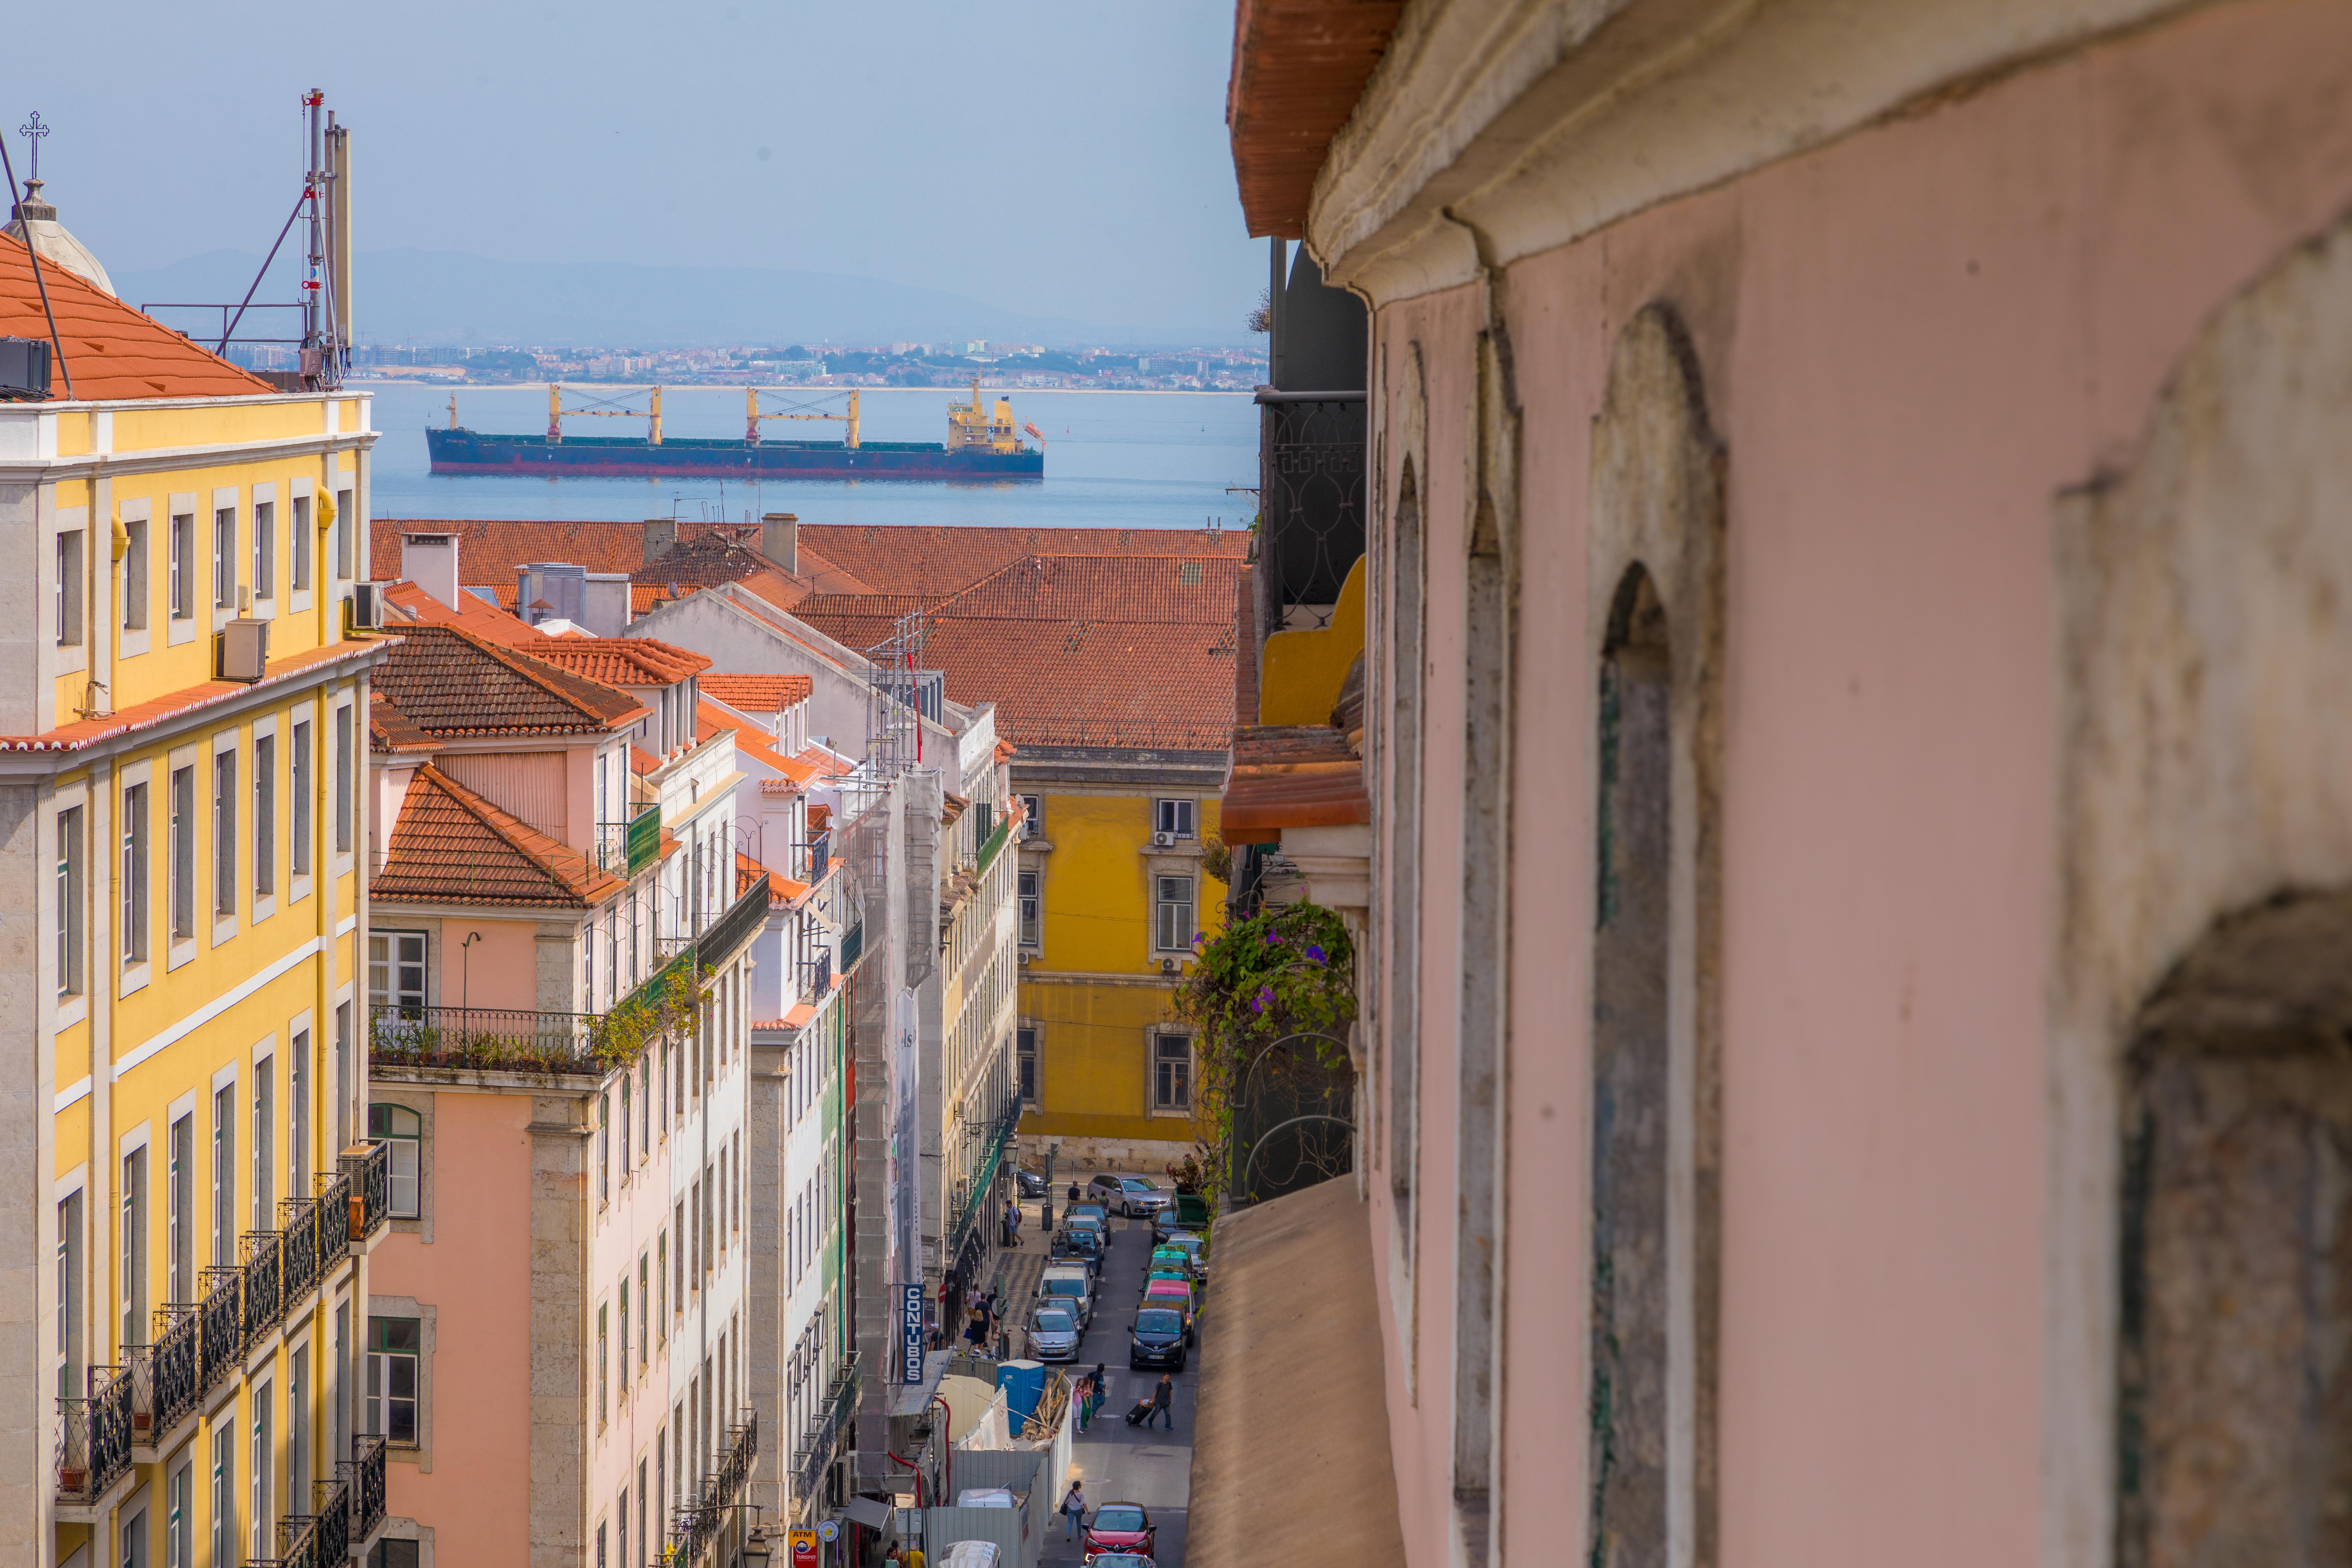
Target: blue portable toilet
(1023,1382)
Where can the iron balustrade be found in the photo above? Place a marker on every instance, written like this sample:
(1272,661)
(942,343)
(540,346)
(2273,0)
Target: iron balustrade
(170,1388)
(809,861)
(493,1038)
(625,848)
(363,1475)
(1311,497)
(332,1215)
(94,1436)
(220,1343)
(998,1133)
(698,1521)
(825,1430)
(816,975)
(853,946)
(723,937)
(369,1175)
(265,1284)
(300,1260)
(333,1519)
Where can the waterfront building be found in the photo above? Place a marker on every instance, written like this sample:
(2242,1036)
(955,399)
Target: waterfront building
(186,1272)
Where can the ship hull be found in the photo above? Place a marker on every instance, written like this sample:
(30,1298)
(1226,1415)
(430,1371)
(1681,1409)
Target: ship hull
(473,452)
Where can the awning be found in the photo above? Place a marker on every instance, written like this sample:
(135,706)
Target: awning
(912,1398)
(864,1511)
(1290,775)
(1292,1324)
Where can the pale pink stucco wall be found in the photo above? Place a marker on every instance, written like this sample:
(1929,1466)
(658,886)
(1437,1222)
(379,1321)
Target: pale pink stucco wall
(1911,342)
(499,971)
(476,1275)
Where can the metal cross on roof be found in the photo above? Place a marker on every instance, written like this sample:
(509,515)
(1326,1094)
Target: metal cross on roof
(33,131)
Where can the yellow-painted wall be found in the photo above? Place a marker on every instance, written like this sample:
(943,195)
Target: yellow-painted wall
(1093,1036)
(1303,671)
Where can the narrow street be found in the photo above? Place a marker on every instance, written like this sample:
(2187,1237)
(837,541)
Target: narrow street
(1119,1463)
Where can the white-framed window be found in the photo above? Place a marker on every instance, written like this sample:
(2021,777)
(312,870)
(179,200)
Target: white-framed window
(346,529)
(225,814)
(259,1467)
(1173,817)
(1171,1072)
(1031,814)
(343,779)
(265,816)
(1172,914)
(1025,1056)
(224,558)
(395,1348)
(135,873)
(182,565)
(403,1130)
(298,543)
(71,947)
(69,588)
(135,575)
(1031,903)
(299,787)
(264,550)
(223,1508)
(397,971)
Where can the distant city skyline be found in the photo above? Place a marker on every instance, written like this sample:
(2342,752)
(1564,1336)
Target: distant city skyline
(1064,169)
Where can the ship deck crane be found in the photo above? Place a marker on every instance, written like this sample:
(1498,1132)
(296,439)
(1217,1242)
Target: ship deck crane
(751,417)
(556,411)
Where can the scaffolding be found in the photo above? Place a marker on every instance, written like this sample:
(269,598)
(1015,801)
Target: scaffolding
(894,707)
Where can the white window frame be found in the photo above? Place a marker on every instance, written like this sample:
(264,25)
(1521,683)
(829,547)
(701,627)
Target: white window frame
(263,556)
(1177,815)
(1161,905)
(225,557)
(301,541)
(1159,1037)
(228,814)
(182,559)
(177,949)
(139,542)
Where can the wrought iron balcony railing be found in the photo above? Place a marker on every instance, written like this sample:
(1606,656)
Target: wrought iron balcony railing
(698,1520)
(368,1177)
(627,847)
(492,1039)
(362,1475)
(993,1136)
(94,1438)
(725,936)
(220,1333)
(816,975)
(333,1500)
(823,1438)
(1311,497)
(265,1284)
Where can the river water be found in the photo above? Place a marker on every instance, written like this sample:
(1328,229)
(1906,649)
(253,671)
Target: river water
(1112,460)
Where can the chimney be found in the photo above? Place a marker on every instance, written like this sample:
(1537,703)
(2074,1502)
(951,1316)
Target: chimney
(780,539)
(430,560)
(661,537)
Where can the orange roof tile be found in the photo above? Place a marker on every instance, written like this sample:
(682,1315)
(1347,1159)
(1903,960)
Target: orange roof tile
(1291,776)
(757,693)
(388,731)
(490,549)
(753,743)
(447,682)
(449,846)
(931,559)
(484,620)
(188,700)
(113,351)
(622,661)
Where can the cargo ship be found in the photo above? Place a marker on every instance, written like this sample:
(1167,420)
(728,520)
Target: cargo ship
(981,443)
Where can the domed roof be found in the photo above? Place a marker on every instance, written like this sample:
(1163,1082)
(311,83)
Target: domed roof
(34,222)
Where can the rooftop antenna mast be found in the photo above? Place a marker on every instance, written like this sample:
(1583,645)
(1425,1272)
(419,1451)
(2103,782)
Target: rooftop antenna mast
(894,715)
(325,353)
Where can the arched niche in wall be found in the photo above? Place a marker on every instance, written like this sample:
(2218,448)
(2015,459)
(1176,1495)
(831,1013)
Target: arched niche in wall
(1655,557)
(2204,602)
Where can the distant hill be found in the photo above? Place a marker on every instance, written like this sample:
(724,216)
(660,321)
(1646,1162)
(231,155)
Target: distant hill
(447,297)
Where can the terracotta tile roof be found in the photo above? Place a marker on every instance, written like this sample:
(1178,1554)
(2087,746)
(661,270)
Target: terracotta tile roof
(1006,750)
(449,846)
(622,661)
(389,732)
(1291,776)
(757,693)
(189,699)
(750,743)
(490,549)
(488,621)
(1174,590)
(113,351)
(447,682)
(934,559)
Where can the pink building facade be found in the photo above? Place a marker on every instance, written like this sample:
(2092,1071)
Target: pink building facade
(1859,596)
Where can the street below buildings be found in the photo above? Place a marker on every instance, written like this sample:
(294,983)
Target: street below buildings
(1116,1462)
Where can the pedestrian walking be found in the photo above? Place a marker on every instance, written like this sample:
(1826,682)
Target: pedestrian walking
(1163,1402)
(1074,1191)
(1101,1391)
(1074,1509)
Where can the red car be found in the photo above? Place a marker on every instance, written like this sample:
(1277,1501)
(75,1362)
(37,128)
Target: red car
(1119,1527)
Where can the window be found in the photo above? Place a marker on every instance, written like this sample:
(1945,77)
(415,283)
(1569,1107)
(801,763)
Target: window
(180,1215)
(70,924)
(258,1466)
(179,1519)
(134,1248)
(603,1148)
(1171,1072)
(1032,818)
(394,1347)
(224,804)
(645,1328)
(343,780)
(1175,816)
(298,546)
(265,816)
(397,971)
(224,558)
(183,853)
(661,1285)
(135,873)
(297,1116)
(404,1130)
(69,588)
(1029,909)
(264,550)
(265,1108)
(297,1429)
(224,1492)
(625,1126)
(624,1337)
(1172,930)
(346,1081)
(1024,1053)
(183,561)
(225,1177)
(69,1298)
(603,1369)
(134,575)
(346,526)
(299,787)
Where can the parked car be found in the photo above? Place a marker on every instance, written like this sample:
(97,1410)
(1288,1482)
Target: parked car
(1071,1289)
(1031,1182)
(1189,1212)
(1196,1248)
(1176,1294)
(1053,1334)
(1080,1242)
(1131,1196)
(1093,1211)
(1119,1527)
(1121,1560)
(1157,1339)
(1170,1258)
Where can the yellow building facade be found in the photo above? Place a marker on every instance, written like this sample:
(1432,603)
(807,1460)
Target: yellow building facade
(1115,881)
(183,744)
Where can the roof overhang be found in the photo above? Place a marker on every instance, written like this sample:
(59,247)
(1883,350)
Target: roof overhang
(1299,67)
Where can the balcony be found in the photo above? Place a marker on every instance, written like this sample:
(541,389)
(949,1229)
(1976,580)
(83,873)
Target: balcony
(345,1516)
(627,847)
(853,946)
(823,1438)
(265,1285)
(489,1039)
(816,975)
(94,1444)
(732,931)
(992,1136)
(364,1475)
(220,1331)
(164,1388)
(1311,473)
(699,1521)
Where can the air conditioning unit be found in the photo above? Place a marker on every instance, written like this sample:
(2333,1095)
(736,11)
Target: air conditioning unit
(1168,967)
(366,608)
(241,650)
(1163,841)
(1026,958)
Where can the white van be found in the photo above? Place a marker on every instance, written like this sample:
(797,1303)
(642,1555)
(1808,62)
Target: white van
(1065,1285)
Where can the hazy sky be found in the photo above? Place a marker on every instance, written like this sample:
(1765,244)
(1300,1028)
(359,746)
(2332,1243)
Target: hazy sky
(1064,159)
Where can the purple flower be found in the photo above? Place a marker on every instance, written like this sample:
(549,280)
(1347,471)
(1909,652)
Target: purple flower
(1315,953)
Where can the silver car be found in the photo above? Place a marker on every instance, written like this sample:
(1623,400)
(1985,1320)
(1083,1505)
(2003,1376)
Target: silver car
(1053,1335)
